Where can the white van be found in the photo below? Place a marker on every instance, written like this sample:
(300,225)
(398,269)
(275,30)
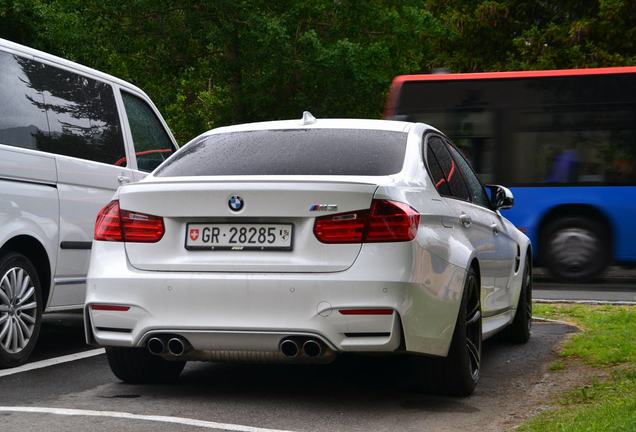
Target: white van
(69,136)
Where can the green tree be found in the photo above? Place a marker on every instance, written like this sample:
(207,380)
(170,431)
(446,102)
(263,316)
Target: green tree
(212,63)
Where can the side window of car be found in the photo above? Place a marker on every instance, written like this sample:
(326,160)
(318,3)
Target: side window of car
(82,115)
(22,111)
(152,143)
(477,193)
(452,177)
(439,180)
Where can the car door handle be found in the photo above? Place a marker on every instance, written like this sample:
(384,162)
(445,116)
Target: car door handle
(495,228)
(122,179)
(465,220)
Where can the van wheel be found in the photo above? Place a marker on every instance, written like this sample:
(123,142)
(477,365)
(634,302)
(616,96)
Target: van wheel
(20,309)
(458,373)
(575,249)
(138,366)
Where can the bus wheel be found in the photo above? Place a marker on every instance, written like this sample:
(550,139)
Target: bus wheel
(575,249)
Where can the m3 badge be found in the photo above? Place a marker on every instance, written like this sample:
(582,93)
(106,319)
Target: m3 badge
(323,207)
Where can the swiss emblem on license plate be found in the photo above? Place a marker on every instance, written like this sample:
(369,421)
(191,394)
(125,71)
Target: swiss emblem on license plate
(194,233)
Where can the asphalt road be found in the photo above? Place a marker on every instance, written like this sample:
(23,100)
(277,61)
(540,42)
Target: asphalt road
(353,394)
(616,285)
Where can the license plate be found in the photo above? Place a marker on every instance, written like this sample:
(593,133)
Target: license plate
(239,237)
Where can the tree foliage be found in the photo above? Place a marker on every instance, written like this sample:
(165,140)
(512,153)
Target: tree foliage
(211,63)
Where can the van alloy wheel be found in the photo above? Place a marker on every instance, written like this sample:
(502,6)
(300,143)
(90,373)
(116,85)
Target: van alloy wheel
(18,309)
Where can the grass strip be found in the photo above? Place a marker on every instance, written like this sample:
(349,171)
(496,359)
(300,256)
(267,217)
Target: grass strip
(607,340)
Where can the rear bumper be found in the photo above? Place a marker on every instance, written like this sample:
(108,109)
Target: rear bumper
(253,312)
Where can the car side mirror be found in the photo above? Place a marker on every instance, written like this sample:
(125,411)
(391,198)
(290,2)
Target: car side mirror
(501,197)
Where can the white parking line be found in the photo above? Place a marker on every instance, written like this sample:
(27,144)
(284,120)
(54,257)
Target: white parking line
(51,362)
(130,416)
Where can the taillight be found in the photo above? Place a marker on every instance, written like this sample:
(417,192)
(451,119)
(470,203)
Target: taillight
(108,223)
(115,224)
(392,221)
(385,221)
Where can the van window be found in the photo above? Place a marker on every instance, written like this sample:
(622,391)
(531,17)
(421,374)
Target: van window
(22,113)
(82,114)
(152,143)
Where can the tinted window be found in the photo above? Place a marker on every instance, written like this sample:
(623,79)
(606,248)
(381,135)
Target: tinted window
(292,152)
(152,144)
(477,193)
(449,167)
(22,114)
(551,130)
(436,172)
(82,115)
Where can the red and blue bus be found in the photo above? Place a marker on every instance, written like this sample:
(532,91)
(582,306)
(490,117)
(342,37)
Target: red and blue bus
(563,140)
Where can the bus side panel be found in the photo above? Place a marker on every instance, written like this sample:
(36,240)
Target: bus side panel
(617,203)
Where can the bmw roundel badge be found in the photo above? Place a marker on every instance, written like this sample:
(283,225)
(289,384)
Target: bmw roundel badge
(236,203)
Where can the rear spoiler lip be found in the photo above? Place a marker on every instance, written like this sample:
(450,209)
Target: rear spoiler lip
(366,180)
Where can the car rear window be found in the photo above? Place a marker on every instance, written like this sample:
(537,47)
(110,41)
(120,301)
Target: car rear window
(291,152)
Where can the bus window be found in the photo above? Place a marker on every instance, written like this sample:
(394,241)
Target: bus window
(564,141)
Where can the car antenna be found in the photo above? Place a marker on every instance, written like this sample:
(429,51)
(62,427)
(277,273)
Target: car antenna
(308,118)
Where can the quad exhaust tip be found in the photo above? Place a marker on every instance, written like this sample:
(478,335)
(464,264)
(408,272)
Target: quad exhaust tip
(176,347)
(312,348)
(156,346)
(292,347)
(289,348)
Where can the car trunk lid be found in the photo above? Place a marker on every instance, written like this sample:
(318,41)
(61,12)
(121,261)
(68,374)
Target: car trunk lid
(188,205)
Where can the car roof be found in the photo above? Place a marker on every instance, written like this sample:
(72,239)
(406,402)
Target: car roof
(27,51)
(329,123)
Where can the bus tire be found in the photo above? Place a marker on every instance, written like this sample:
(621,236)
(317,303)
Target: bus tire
(575,249)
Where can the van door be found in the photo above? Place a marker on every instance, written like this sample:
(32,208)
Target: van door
(86,136)
(151,140)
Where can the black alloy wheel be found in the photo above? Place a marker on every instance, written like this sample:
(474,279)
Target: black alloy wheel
(138,366)
(519,329)
(473,326)
(458,373)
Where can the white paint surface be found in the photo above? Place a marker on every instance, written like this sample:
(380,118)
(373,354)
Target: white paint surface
(130,416)
(51,362)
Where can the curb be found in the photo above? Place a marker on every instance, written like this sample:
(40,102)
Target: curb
(587,302)
(540,319)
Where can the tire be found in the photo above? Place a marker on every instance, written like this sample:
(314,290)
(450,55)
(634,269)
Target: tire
(575,249)
(458,373)
(138,366)
(21,305)
(518,331)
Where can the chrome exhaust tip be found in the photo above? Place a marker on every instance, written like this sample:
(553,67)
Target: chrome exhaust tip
(176,346)
(312,348)
(289,348)
(155,346)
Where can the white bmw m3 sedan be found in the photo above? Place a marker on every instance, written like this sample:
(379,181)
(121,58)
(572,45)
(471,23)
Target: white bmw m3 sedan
(296,241)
